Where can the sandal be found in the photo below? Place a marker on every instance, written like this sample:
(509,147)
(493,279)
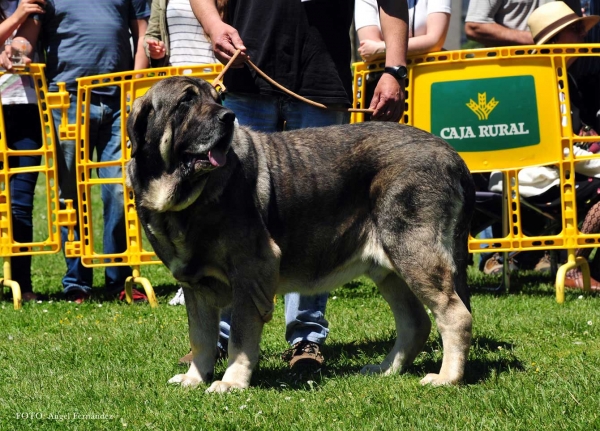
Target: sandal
(574,280)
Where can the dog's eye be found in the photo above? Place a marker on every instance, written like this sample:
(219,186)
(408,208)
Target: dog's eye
(186,99)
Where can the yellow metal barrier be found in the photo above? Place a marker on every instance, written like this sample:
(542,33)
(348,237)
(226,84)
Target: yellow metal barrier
(54,216)
(503,109)
(131,85)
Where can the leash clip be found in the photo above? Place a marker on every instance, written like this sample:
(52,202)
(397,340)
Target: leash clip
(219,86)
(217,83)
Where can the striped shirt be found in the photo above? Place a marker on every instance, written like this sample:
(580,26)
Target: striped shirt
(16,89)
(188,43)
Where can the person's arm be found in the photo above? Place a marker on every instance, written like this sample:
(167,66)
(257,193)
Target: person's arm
(480,26)
(435,36)
(138,30)
(366,20)
(25,8)
(494,34)
(225,39)
(29,30)
(388,99)
(372,46)
(154,46)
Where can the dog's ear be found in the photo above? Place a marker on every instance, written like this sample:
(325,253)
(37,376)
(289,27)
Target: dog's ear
(205,86)
(137,123)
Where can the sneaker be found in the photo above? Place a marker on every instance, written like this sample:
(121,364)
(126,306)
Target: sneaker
(494,265)
(178,299)
(304,355)
(544,264)
(187,359)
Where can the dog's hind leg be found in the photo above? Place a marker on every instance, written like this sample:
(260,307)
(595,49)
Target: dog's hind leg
(424,257)
(203,321)
(412,325)
(461,242)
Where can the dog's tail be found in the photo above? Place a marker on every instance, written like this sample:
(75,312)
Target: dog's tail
(461,238)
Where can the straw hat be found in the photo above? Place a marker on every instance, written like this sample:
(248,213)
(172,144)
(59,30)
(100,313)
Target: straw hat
(549,19)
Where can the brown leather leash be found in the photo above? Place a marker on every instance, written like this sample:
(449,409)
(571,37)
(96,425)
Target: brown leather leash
(218,84)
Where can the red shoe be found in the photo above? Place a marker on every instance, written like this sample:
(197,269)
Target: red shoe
(136,294)
(574,280)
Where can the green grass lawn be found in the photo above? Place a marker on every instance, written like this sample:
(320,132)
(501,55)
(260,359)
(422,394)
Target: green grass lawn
(104,365)
(534,364)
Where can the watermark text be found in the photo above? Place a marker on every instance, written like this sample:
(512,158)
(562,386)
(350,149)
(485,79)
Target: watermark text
(70,416)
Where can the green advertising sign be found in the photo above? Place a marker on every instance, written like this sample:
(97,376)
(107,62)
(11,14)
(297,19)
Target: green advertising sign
(486,114)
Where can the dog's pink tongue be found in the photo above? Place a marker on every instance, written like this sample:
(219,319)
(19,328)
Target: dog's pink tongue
(217,157)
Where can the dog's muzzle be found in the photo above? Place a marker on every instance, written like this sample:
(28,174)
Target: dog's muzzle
(216,157)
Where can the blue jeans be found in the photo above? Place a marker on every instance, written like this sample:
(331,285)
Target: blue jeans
(104,126)
(304,315)
(23,132)
(483,257)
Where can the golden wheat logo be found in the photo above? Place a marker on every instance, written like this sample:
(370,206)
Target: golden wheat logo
(483,108)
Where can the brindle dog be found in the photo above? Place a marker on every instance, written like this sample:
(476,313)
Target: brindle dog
(238,216)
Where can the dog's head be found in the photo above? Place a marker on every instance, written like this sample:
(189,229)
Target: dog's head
(179,133)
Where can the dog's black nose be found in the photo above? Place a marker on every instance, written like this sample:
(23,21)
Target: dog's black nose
(226,116)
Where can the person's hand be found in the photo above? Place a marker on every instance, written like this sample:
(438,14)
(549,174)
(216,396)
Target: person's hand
(388,100)
(156,49)
(226,41)
(371,49)
(5,61)
(27,7)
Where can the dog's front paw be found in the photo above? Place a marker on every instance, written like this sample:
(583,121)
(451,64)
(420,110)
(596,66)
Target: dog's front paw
(438,380)
(221,387)
(185,380)
(376,369)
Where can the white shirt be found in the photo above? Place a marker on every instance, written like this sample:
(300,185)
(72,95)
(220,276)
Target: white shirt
(366,12)
(536,180)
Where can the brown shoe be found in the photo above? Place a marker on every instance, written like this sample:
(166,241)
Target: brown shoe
(78,296)
(494,265)
(574,280)
(187,359)
(304,355)
(544,264)
(29,296)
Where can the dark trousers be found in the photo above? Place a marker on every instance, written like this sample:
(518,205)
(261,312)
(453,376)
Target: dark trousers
(23,132)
